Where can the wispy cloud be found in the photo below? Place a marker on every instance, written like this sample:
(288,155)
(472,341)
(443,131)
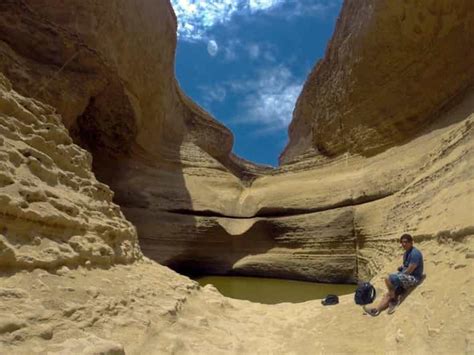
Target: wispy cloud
(212,94)
(259,5)
(254,51)
(315,8)
(269,100)
(197,17)
(240,49)
(266,102)
(231,48)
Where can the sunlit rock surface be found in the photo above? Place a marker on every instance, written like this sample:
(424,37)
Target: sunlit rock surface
(389,69)
(53,211)
(107,68)
(381,144)
(167,161)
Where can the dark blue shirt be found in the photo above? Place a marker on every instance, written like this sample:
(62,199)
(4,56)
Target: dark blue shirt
(414,256)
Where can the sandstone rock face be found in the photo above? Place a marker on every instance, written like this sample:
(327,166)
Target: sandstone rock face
(107,67)
(389,68)
(413,188)
(53,211)
(167,160)
(99,74)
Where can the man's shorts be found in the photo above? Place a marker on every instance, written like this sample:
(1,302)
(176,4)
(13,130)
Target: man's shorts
(400,280)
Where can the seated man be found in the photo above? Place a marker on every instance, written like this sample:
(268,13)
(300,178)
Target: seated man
(408,275)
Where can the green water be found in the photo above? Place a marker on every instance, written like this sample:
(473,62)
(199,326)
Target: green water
(272,291)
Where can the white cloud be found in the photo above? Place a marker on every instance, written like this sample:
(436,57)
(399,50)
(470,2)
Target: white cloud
(197,17)
(258,5)
(230,49)
(268,55)
(269,100)
(212,48)
(254,51)
(235,49)
(230,54)
(320,8)
(212,94)
(266,102)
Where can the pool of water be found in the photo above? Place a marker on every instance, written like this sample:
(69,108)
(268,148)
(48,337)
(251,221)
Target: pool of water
(272,291)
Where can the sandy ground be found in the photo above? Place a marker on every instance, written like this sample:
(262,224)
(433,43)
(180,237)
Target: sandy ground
(148,309)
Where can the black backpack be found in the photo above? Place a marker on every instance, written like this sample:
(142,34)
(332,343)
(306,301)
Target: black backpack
(365,293)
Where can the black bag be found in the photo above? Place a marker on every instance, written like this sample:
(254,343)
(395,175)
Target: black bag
(330,300)
(365,293)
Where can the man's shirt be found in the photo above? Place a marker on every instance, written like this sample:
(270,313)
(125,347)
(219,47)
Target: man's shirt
(414,256)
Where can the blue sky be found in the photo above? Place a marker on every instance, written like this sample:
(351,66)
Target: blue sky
(245,62)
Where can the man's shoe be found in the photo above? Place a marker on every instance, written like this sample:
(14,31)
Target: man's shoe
(393,305)
(371,311)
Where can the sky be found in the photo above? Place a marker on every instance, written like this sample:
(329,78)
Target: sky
(245,62)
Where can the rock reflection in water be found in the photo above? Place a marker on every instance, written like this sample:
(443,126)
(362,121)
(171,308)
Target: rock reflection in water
(272,291)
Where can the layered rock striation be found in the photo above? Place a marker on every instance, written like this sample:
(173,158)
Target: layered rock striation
(333,211)
(381,143)
(387,72)
(107,68)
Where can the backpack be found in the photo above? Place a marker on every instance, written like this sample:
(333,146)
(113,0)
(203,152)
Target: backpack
(365,293)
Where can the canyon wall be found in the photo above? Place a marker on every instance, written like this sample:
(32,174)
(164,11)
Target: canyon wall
(333,210)
(390,104)
(335,214)
(389,69)
(107,71)
(93,125)
(53,211)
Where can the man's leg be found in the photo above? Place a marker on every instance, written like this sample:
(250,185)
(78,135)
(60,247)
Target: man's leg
(388,297)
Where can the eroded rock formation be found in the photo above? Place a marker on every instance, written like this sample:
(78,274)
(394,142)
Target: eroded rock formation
(389,69)
(109,73)
(381,143)
(53,211)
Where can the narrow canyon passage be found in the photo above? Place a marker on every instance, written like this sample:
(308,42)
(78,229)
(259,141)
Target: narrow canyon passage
(209,222)
(295,243)
(109,172)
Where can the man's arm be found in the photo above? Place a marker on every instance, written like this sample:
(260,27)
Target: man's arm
(410,269)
